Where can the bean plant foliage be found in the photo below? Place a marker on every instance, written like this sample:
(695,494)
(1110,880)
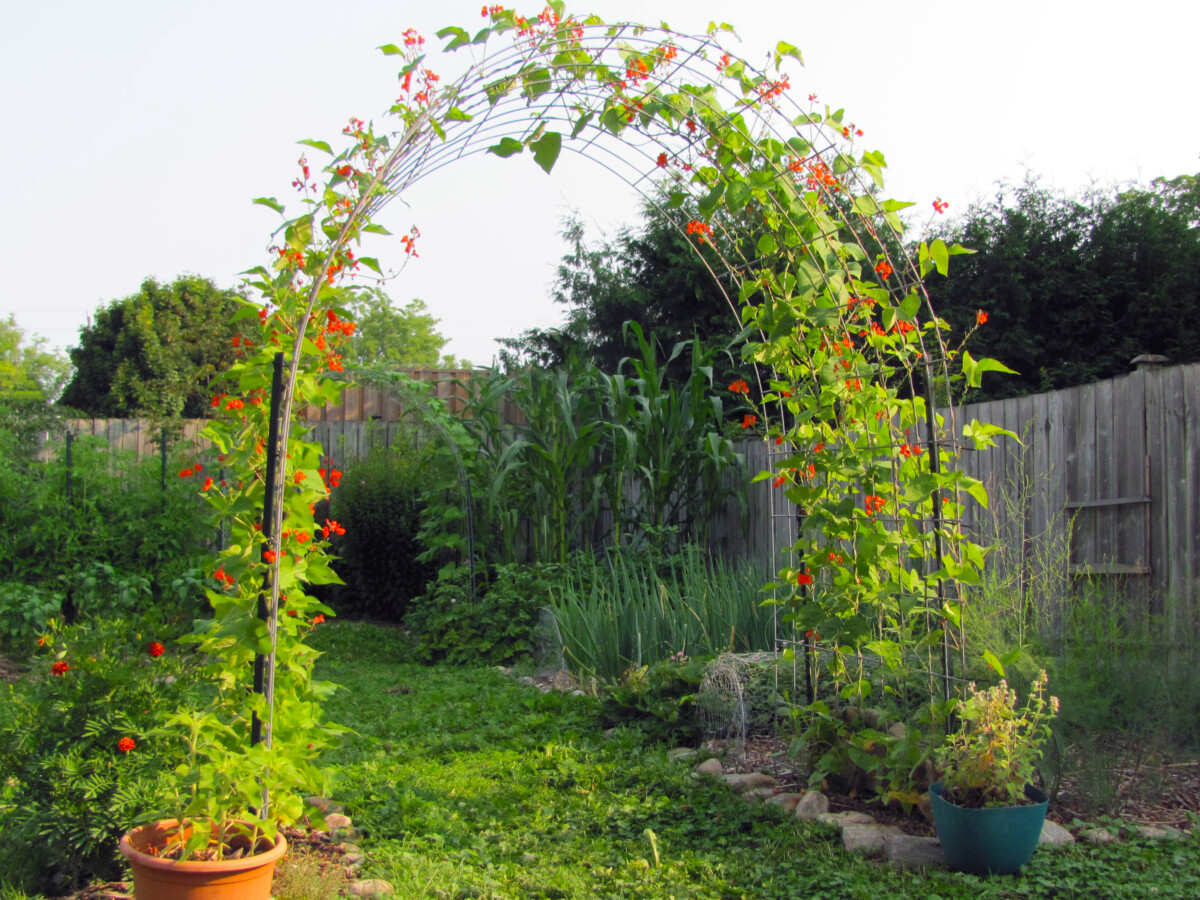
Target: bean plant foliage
(839,327)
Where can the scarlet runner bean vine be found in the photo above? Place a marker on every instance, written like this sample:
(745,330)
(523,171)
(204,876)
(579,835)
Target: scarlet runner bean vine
(843,337)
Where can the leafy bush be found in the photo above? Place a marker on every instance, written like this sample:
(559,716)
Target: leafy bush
(379,503)
(659,699)
(496,627)
(80,756)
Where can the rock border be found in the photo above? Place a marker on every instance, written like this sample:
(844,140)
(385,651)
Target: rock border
(862,835)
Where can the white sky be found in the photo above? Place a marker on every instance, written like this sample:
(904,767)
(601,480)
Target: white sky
(136,132)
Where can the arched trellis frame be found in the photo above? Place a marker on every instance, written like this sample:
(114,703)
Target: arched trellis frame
(786,213)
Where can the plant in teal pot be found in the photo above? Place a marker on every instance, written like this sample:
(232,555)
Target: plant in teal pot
(989,817)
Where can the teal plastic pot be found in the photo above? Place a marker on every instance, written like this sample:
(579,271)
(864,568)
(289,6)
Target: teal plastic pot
(994,841)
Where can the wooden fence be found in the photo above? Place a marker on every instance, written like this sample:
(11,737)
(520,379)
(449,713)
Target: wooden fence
(1104,479)
(1104,482)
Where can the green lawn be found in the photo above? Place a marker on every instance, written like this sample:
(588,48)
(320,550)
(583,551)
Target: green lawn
(470,785)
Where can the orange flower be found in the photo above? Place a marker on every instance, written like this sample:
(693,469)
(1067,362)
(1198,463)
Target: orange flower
(748,420)
(318,619)
(740,387)
(662,160)
(155,649)
(981,317)
(883,269)
(126,744)
(804,579)
(60,668)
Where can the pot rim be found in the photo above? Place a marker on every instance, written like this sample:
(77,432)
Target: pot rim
(1035,794)
(165,826)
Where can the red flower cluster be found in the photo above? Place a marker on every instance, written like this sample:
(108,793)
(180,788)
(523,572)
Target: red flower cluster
(222,575)
(491,11)
(410,241)
(883,269)
(803,579)
(740,387)
(269,556)
(155,649)
(874,504)
(981,318)
(60,668)
(748,420)
(332,477)
(910,450)
(332,527)
(126,744)
(940,205)
(700,229)
(851,130)
(781,480)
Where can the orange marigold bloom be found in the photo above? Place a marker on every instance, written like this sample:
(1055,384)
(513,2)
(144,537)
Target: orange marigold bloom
(126,744)
(981,317)
(60,668)
(155,649)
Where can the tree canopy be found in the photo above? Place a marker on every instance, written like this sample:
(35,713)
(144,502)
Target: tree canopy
(156,353)
(28,372)
(399,336)
(1075,286)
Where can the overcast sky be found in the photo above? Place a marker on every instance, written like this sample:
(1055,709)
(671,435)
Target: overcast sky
(136,133)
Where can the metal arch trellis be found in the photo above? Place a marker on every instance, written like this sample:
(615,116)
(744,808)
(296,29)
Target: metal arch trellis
(569,81)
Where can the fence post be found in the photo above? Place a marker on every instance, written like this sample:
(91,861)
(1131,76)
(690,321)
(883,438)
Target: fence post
(273,450)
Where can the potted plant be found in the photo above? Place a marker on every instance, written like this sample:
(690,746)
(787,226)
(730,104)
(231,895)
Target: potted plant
(989,817)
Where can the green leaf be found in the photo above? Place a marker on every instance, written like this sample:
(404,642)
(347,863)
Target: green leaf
(506,148)
(454,114)
(581,124)
(372,228)
(973,369)
(993,662)
(767,245)
(458,35)
(270,202)
(391,50)
(783,48)
(535,82)
(941,256)
(546,150)
(319,145)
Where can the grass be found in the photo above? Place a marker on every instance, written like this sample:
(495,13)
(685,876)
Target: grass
(470,785)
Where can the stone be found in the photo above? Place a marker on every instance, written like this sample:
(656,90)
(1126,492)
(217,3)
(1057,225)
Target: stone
(842,819)
(1097,836)
(353,859)
(525,679)
(812,805)
(906,851)
(1158,832)
(681,754)
(334,821)
(758,795)
(324,804)
(740,784)
(370,887)
(787,800)
(868,840)
(578,693)
(899,731)
(710,767)
(1054,834)
(871,718)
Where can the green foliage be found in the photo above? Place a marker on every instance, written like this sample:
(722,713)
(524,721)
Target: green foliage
(993,756)
(659,699)
(69,789)
(379,502)
(470,785)
(405,336)
(122,540)
(159,353)
(30,376)
(496,626)
(1076,286)
(634,609)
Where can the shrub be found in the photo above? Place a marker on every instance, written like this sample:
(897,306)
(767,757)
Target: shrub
(80,757)
(659,699)
(379,503)
(496,627)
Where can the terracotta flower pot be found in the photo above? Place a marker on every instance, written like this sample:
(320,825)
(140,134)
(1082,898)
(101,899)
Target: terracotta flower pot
(248,878)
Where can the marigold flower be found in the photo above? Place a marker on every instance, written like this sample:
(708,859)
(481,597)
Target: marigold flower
(186,473)
(981,317)
(126,744)
(155,649)
(60,668)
